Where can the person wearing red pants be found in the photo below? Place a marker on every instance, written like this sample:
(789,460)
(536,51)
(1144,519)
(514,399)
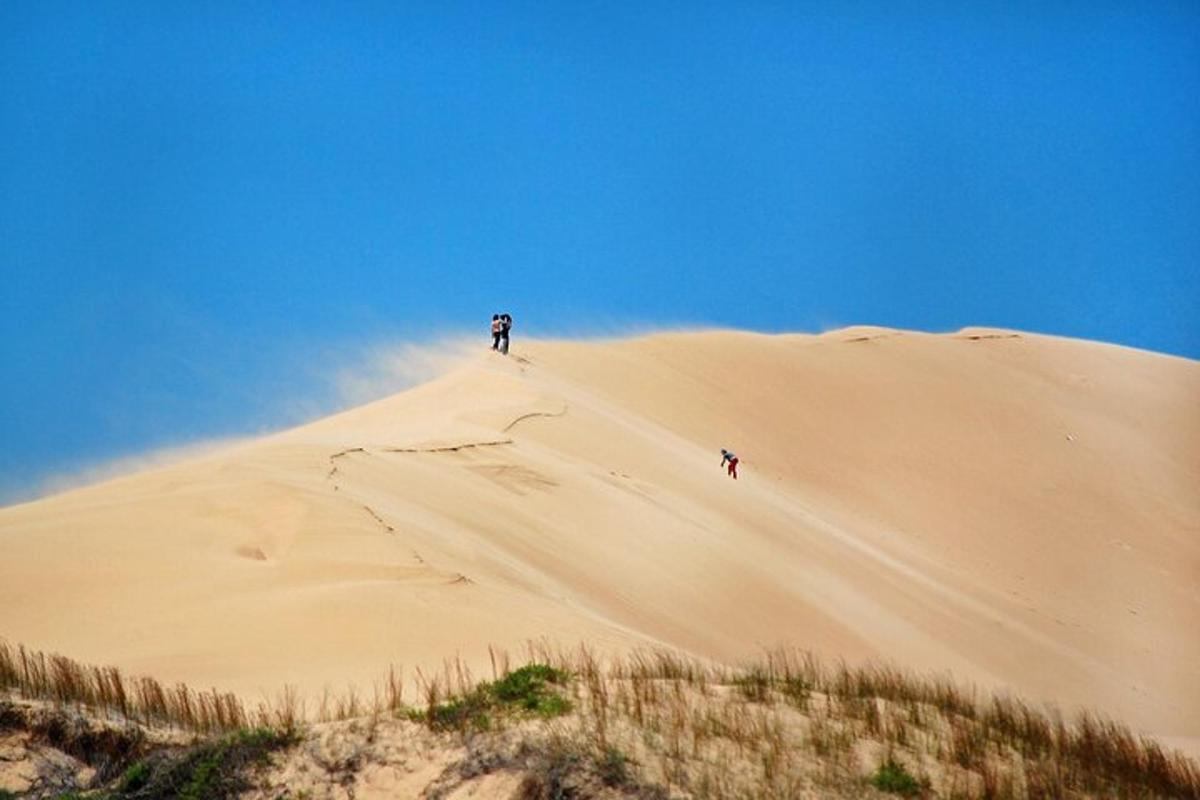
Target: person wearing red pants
(733,462)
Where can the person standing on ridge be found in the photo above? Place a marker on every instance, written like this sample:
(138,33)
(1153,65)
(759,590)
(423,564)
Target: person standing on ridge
(733,462)
(505,327)
(497,326)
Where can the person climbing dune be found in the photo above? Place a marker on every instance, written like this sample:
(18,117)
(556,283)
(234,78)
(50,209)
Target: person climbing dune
(497,329)
(505,327)
(727,456)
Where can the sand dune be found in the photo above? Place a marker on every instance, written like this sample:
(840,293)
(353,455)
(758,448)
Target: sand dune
(1020,510)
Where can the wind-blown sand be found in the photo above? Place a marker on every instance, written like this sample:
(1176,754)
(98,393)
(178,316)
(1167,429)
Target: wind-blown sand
(1023,511)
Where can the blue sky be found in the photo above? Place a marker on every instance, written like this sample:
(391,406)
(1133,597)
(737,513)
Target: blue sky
(208,209)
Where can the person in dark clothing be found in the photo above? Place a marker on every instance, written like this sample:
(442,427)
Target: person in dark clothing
(497,326)
(505,327)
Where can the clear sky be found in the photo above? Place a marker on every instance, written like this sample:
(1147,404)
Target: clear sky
(206,209)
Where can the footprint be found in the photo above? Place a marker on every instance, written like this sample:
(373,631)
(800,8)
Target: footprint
(515,478)
(252,553)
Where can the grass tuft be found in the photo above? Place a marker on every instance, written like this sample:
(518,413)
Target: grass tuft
(527,688)
(894,778)
(533,689)
(213,770)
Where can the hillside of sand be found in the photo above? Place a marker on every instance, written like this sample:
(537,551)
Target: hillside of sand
(1019,510)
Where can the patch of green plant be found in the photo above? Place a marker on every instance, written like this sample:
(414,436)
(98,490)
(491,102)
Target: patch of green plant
(893,777)
(134,778)
(205,778)
(461,712)
(211,770)
(613,767)
(528,689)
(526,685)
(552,705)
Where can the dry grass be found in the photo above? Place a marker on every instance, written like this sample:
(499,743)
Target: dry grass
(106,692)
(655,722)
(106,749)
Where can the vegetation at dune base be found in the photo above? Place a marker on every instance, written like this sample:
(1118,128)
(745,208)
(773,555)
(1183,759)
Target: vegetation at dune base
(647,725)
(894,778)
(211,769)
(534,689)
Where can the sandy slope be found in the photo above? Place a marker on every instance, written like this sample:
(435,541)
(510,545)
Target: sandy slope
(1021,510)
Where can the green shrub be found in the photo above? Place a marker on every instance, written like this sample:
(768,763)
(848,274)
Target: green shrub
(894,778)
(134,778)
(461,712)
(209,771)
(527,689)
(526,686)
(551,705)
